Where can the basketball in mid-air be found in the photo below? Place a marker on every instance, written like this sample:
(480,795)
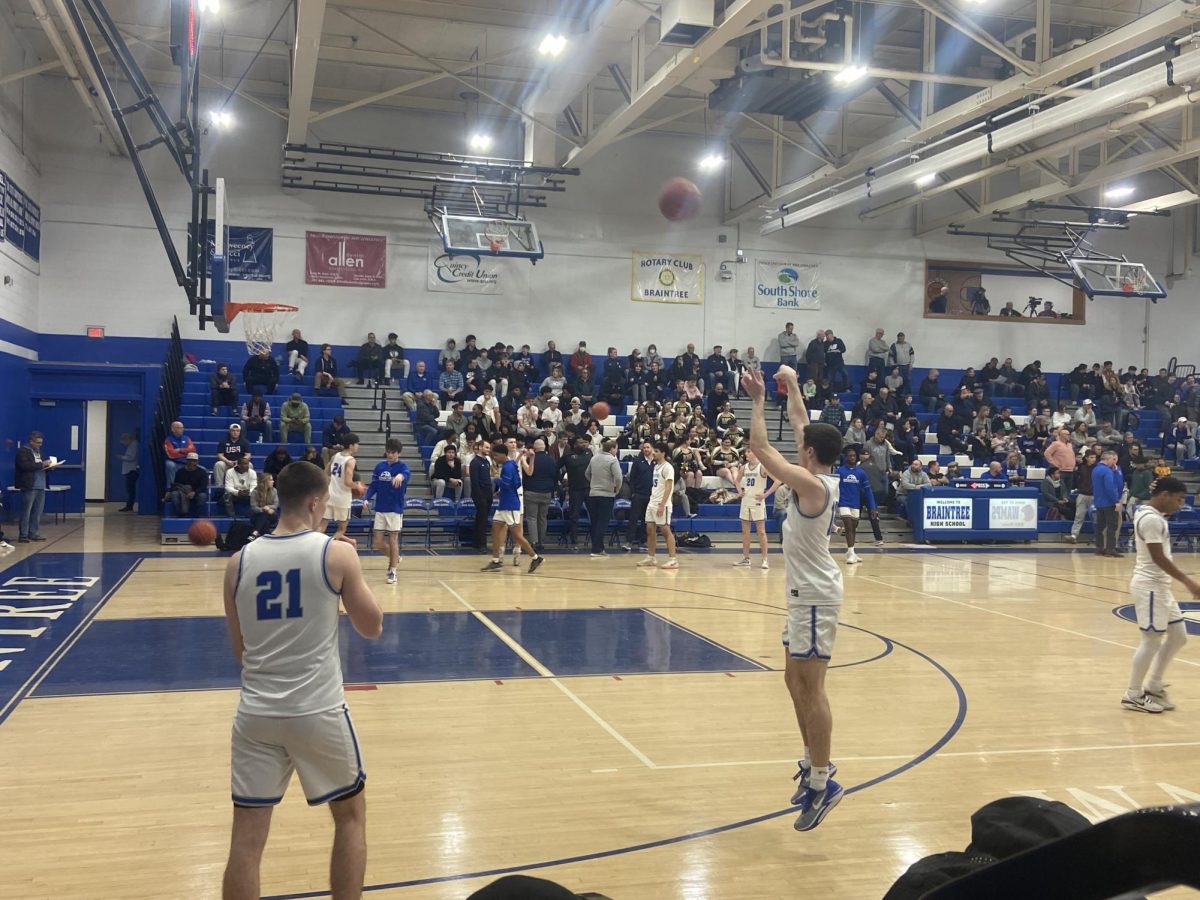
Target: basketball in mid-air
(679,199)
(358,489)
(600,411)
(202,533)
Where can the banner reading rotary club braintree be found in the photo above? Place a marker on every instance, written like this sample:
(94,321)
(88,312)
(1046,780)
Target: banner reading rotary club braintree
(346,260)
(668,278)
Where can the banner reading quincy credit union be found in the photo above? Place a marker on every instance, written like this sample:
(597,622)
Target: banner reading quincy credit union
(786,285)
(348,260)
(464,274)
(668,277)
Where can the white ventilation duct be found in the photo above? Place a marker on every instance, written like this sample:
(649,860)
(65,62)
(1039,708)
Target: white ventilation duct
(1182,70)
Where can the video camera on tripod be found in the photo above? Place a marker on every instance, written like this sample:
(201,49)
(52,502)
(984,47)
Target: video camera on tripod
(1032,306)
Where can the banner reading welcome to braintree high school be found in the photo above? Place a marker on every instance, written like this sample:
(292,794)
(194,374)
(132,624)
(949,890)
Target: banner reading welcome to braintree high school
(668,277)
(786,285)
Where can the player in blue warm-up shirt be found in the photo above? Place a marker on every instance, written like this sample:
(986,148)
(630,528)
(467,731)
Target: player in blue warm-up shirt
(855,487)
(507,520)
(389,484)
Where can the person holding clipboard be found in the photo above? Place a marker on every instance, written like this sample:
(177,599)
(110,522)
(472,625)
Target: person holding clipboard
(31,482)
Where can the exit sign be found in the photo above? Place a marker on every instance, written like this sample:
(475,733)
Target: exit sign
(95,331)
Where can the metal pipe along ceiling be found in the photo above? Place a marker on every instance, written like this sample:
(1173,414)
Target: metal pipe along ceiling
(1183,70)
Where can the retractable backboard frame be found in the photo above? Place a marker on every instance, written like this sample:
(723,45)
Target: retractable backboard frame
(488,236)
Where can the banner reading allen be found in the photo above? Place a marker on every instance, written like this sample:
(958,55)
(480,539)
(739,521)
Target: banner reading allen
(345,260)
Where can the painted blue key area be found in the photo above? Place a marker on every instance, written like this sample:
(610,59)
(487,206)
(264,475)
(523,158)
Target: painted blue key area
(43,603)
(614,642)
(117,656)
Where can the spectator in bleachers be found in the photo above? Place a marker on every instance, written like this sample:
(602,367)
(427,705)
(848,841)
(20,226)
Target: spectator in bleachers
(518,377)
(474,377)
(448,474)
(594,435)
(949,430)
(1009,376)
(612,387)
(448,354)
(833,413)
(638,382)
(1036,391)
(871,384)
(937,478)
(190,485)
(450,385)
(862,409)
(277,461)
(995,471)
(1083,485)
(555,381)
(239,481)
(1060,418)
(1076,380)
(256,417)
(264,506)
(585,385)
(931,395)
(906,440)
(1108,437)
(311,455)
(657,381)
(1141,477)
(369,362)
(979,447)
(835,362)
(814,356)
(416,384)
(1080,437)
(1030,445)
(969,380)
(552,356)
(552,416)
(736,368)
(230,449)
(223,389)
(1013,470)
(856,435)
(295,415)
(510,406)
(894,381)
(528,420)
(1030,372)
(914,478)
(718,397)
(1086,415)
(428,413)
(902,354)
(1061,453)
(497,375)
(490,405)
(1182,440)
(297,354)
(715,370)
(261,373)
(393,358)
(326,376)
(1048,311)
(575,464)
(904,406)
(877,353)
(525,357)
(580,359)
(446,439)
(750,361)
(1004,423)
(883,410)
(789,346)
(692,364)
(176,446)
(541,476)
(1054,500)
(652,356)
(331,438)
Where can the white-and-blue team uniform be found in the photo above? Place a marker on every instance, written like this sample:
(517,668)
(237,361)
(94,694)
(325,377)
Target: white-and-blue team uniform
(853,488)
(814,580)
(292,715)
(386,500)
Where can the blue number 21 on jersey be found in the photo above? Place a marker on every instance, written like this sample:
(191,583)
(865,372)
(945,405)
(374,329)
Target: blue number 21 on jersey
(269,602)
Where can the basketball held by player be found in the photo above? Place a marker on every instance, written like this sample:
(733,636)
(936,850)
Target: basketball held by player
(341,485)
(385,493)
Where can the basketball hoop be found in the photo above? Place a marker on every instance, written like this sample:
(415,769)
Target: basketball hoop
(496,234)
(262,322)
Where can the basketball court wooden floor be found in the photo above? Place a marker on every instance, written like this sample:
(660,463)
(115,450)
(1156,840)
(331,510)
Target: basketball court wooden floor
(615,729)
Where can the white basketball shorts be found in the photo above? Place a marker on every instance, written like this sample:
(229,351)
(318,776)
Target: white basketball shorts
(848,512)
(322,749)
(337,513)
(388,522)
(1155,605)
(653,518)
(811,630)
(753,511)
(508,517)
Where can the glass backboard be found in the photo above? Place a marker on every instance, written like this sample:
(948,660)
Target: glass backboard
(1115,278)
(476,235)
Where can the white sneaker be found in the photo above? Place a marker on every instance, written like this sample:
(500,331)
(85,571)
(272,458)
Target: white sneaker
(851,558)
(599,556)
(1144,703)
(6,547)
(647,561)
(744,561)
(879,543)
(1160,696)
(765,565)
(391,576)
(671,564)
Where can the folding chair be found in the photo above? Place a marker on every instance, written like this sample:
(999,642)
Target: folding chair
(445,515)
(616,524)
(413,505)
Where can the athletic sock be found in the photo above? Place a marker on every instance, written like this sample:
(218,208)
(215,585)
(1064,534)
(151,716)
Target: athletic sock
(807,758)
(818,778)
(495,559)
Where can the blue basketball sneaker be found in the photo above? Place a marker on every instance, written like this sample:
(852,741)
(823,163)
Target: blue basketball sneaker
(802,775)
(815,805)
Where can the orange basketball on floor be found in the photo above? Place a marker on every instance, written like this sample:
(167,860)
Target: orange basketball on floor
(679,199)
(202,533)
(600,411)
(358,489)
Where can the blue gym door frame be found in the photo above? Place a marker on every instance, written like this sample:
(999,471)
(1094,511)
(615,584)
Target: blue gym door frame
(59,392)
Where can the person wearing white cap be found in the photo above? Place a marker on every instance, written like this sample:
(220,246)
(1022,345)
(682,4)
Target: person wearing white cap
(1183,436)
(1086,414)
(553,416)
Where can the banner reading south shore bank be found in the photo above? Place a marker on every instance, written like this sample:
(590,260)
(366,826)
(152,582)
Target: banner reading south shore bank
(668,278)
(786,285)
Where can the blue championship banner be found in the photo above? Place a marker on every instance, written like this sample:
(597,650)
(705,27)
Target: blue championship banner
(14,214)
(250,252)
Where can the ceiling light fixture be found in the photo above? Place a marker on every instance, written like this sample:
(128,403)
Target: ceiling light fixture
(711,161)
(221,118)
(925,180)
(850,74)
(210,6)
(1118,193)
(552,45)
(481,142)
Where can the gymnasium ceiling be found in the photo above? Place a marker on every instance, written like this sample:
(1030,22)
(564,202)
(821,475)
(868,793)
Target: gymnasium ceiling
(786,130)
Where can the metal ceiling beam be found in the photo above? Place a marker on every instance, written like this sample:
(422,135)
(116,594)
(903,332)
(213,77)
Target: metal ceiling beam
(894,74)
(310,22)
(978,35)
(824,154)
(468,15)
(413,85)
(1174,16)
(682,64)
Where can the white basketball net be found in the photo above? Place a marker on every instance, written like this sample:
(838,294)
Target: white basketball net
(263,328)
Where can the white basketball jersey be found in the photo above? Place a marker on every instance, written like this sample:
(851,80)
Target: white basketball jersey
(658,491)
(813,578)
(339,494)
(1150,527)
(289,620)
(754,485)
